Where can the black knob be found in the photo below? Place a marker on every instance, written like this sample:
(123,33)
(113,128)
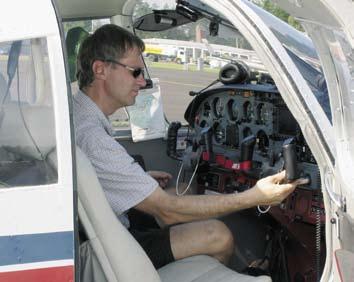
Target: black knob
(247,148)
(290,159)
(172,139)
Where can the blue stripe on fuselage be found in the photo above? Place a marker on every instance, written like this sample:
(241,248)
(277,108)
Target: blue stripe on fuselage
(30,248)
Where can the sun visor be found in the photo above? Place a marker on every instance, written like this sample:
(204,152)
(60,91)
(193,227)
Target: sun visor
(162,20)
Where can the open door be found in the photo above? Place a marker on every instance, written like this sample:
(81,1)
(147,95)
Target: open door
(330,25)
(36,199)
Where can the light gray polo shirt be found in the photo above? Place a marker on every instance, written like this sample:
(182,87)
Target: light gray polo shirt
(123,180)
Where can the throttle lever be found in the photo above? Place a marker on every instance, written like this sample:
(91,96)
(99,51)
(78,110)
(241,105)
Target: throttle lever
(247,148)
(290,159)
(207,134)
(172,139)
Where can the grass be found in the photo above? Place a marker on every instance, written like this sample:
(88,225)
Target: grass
(174,66)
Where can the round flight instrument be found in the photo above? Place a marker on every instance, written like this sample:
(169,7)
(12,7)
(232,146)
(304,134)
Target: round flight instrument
(219,133)
(262,141)
(218,107)
(206,110)
(262,114)
(203,124)
(233,110)
(247,111)
(247,132)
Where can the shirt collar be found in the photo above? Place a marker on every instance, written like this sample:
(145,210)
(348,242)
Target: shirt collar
(90,105)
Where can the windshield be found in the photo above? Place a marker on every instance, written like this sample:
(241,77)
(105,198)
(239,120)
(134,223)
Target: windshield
(302,52)
(300,49)
(213,38)
(227,39)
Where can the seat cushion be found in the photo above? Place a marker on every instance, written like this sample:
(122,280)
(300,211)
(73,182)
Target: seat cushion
(204,269)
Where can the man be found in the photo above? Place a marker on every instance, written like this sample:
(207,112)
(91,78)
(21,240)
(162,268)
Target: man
(110,74)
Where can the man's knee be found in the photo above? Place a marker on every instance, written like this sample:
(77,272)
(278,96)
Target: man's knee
(220,235)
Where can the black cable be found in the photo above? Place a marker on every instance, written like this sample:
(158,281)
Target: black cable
(192,93)
(2,112)
(193,102)
(7,92)
(318,244)
(284,264)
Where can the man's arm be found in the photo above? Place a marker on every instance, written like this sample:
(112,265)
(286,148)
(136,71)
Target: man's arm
(175,209)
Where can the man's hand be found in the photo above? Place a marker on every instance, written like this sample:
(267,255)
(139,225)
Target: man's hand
(161,177)
(269,191)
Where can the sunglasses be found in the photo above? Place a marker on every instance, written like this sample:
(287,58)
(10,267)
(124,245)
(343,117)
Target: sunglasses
(135,72)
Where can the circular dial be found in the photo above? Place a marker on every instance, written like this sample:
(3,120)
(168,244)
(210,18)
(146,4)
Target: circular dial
(233,110)
(219,133)
(206,110)
(247,132)
(262,141)
(262,114)
(218,107)
(247,111)
(203,124)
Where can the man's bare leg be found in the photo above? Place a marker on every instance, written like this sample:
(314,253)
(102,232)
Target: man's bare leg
(209,237)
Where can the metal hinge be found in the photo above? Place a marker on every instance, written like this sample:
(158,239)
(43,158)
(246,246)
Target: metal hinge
(339,200)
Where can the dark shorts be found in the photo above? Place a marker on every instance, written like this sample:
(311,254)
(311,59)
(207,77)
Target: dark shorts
(154,240)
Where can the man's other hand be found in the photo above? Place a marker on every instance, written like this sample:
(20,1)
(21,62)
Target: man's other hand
(161,177)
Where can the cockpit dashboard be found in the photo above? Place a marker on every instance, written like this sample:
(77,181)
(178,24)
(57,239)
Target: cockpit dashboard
(238,133)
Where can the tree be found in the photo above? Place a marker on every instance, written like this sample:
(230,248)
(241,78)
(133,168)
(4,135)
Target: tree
(86,25)
(141,9)
(279,13)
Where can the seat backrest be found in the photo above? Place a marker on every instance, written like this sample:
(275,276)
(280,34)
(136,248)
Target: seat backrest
(73,40)
(120,256)
(25,129)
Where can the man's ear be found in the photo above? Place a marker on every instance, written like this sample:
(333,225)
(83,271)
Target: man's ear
(99,69)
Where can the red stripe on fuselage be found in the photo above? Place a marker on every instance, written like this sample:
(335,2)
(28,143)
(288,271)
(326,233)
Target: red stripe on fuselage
(52,274)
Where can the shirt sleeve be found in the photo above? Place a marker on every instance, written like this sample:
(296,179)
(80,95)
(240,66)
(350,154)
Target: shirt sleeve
(123,180)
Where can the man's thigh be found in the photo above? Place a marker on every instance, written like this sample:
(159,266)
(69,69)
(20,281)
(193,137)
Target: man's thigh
(176,242)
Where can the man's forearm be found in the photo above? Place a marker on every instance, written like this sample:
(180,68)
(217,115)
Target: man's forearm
(196,207)
(173,209)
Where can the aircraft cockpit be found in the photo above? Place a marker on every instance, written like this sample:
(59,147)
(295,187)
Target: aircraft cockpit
(235,92)
(238,129)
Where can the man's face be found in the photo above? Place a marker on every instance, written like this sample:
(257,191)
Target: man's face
(121,86)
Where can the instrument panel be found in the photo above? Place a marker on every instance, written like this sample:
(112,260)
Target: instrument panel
(232,115)
(240,131)
(243,131)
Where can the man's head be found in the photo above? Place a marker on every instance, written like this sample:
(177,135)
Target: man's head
(111,56)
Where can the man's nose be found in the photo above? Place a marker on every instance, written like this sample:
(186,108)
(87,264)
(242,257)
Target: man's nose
(141,81)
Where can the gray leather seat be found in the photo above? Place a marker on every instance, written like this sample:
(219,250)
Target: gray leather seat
(204,269)
(112,254)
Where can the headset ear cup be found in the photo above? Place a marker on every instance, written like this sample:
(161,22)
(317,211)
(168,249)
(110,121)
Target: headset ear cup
(228,73)
(233,73)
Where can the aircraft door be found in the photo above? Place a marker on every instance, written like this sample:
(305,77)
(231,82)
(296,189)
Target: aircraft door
(331,29)
(333,36)
(36,172)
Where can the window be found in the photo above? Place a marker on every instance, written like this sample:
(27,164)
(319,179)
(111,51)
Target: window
(303,54)
(27,127)
(193,69)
